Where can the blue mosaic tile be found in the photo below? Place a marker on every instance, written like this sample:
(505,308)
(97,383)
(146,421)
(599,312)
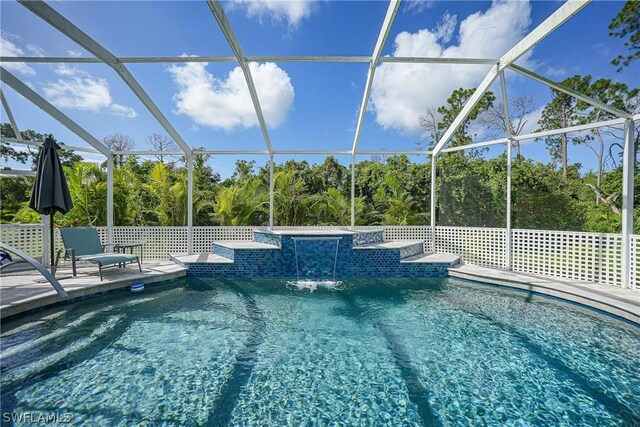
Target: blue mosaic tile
(223,251)
(268,238)
(368,237)
(315,259)
(412,250)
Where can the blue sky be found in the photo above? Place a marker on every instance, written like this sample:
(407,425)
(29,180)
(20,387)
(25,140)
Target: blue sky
(308,105)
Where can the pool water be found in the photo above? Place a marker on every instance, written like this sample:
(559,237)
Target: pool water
(372,352)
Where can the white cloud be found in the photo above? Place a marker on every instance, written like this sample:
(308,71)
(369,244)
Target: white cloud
(402,92)
(418,6)
(74,53)
(226,103)
(79,90)
(292,11)
(556,71)
(8,48)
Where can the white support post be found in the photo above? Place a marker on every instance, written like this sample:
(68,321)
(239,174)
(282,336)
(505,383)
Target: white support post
(271,193)
(110,200)
(509,237)
(353,191)
(509,146)
(190,203)
(628,166)
(433,204)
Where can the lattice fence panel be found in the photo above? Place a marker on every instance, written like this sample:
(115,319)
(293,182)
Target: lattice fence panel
(595,257)
(157,242)
(203,237)
(634,265)
(409,232)
(481,246)
(27,237)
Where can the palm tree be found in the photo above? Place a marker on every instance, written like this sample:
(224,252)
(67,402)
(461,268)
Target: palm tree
(333,208)
(292,205)
(398,205)
(88,188)
(242,205)
(171,197)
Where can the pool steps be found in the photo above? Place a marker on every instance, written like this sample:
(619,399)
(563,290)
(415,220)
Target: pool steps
(362,254)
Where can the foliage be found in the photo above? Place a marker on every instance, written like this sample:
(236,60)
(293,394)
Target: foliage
(627,23)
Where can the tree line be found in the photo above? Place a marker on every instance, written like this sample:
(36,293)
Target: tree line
(392,190)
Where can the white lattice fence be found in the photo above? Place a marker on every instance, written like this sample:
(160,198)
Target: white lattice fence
(593,257)
(27,237)
(409,232)
(481,246)
(203,237)
(634,274)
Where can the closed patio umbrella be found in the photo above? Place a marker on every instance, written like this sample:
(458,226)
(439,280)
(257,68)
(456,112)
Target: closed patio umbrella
(50,193)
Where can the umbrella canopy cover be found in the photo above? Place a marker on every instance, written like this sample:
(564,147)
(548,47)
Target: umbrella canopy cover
(50,193)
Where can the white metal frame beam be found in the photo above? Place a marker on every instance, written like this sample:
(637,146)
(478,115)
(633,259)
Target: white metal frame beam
(559,17)
(48,108)
(509,147)
(392,11)
(628,166)
(311,59)
(12,120)
(66,27)
(561,88)
(39,144)
(225,26)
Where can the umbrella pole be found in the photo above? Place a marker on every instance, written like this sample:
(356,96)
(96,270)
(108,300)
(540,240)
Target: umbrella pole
(51,237)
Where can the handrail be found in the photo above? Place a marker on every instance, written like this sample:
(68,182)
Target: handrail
(50,277)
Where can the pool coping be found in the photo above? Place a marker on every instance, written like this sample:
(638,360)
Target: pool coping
(592,295)
(51,298)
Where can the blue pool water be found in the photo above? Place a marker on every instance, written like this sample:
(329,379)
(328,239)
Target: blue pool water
(375,352)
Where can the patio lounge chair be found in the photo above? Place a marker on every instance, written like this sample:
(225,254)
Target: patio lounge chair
(83,244)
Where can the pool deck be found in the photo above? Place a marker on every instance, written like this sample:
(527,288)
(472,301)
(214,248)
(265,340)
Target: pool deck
(622,302)
(28,290)
(21,292)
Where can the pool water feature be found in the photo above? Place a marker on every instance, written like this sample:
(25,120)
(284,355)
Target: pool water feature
(321,263)
(368,352)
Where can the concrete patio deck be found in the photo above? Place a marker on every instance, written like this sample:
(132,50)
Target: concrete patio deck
(26,290)
(621,302)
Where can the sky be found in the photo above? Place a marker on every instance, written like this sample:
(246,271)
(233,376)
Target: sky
(306,105)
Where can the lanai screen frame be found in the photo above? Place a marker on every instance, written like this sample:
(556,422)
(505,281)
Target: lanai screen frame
(499,65)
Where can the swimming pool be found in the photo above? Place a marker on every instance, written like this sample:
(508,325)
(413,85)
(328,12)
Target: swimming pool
(367,352)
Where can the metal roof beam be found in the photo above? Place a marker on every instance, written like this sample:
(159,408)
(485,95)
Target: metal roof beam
(48,14)
(39,144)
(392,11)
(225,26)
(186,59)
(559,87)
(559,17)
(48,108)
(12,120)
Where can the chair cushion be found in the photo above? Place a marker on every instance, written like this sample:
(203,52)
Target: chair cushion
(83,240)
(108,258)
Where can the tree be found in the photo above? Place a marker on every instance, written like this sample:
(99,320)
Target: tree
(161,143)
(496,122)
(293,206)
(170,193)
(563,111)
(617,95)
(627,23)
(119,142)
(244,169)
(244,204)
(449,112)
